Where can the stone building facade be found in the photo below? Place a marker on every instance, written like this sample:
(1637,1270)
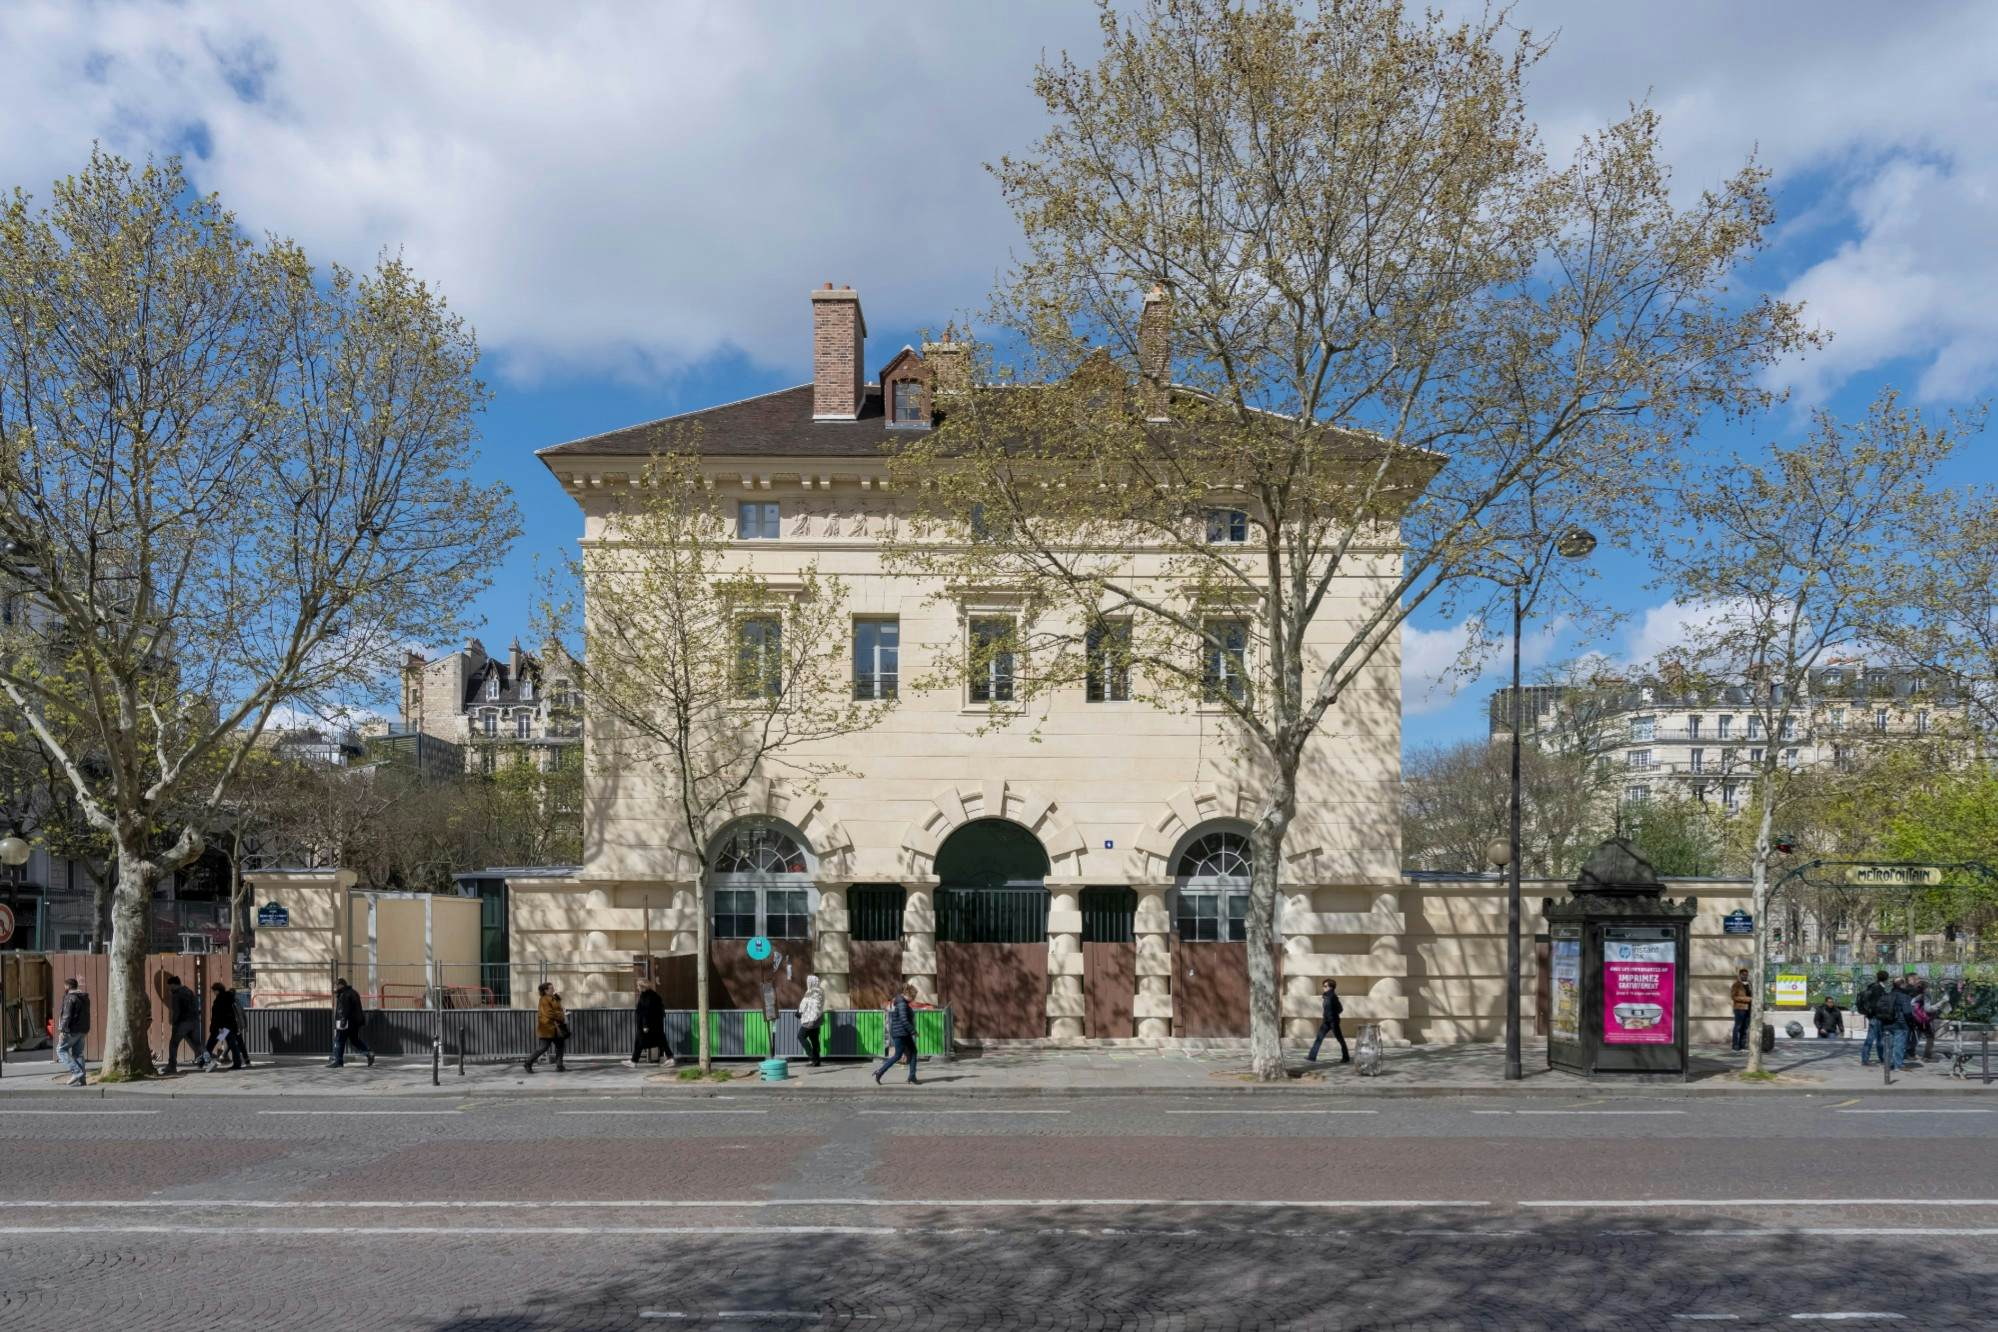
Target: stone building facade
(493,707)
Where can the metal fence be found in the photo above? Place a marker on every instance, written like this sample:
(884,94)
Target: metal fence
(485,1035)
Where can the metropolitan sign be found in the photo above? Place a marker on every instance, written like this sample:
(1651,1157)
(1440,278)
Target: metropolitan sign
(1895,876)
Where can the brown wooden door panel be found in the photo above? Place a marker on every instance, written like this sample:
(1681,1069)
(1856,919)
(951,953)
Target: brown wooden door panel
(1210,988)
(875,971)
(998,991)
(1109,986)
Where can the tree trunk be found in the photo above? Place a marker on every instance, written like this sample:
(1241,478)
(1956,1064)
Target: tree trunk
(1265,1004)
(129,1011)
(701,1032)
(1759,902)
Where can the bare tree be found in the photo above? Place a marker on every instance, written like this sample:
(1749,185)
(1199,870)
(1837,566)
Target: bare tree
(1372,315)
(1787,559)
(697,667)
(230,481)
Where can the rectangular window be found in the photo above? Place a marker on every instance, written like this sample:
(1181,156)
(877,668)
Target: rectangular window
(1730,796)
(786,914)
(757,520)
(1789,729)
(1755,726)
(1789,758)
(1644,728)
(521,721)
(759,658)
(1224,671)
(1639,758)
(877,651)
(491,723)
(874,912)
(1108,652)
(1838,719)
(1922,723)
(1692,728)
(1637,795)
(992,649)
(1699,760)
(1724,726)
(1699,793)
(1206,916)
(1880,719)
(908,402)
(1227,527)
(1755,756)
(735,913)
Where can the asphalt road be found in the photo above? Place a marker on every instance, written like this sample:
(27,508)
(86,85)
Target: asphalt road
(910,1211)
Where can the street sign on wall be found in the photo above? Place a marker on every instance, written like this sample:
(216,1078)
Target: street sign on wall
(272,914)
(1737,922)
(1895,876)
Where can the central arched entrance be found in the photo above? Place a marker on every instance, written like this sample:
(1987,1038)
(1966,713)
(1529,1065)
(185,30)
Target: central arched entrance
(992,930)
(1210,956)
(761,881)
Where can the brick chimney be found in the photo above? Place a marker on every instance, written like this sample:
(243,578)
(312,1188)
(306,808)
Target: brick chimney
(839,333)
(950,362)
(1155,353)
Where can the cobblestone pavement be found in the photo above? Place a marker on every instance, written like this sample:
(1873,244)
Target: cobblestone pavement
(626,1212)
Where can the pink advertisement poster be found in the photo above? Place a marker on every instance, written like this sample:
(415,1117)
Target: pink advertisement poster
(1638,990)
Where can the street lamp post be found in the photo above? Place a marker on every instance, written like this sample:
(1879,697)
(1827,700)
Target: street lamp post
(1573,544)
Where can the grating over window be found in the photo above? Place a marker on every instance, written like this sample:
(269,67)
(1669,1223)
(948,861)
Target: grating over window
(759,849)
(992,915)
(1109,915)
(874,912)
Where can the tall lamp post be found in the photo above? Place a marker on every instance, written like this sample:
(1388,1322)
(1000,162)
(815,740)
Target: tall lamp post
(1573,544)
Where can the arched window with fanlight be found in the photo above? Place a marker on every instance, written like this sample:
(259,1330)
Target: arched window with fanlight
(1211,874)
(760,881)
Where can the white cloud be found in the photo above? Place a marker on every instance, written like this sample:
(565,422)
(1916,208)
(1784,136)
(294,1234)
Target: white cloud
(1439,666)
(636,189)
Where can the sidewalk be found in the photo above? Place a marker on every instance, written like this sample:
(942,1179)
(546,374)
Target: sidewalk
(1801,1066)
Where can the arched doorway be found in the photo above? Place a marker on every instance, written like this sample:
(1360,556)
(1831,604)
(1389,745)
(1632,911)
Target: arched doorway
(1210,972)
(992,930)
(760,881)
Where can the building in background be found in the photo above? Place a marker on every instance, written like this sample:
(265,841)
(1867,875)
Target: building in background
(494,708)
(1656,737)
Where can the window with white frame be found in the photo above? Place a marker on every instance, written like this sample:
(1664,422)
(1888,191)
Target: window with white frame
(877,656)
(759,657)
(1755,756)
(1880,719)
(1724,725)
(761,880)
(1212,895)
(1837,719)
(1754,726)
(1637,795)
(992,650)
(526,690)
(492,685)
(522,721)
(1692,728)
(1227,527)
(1639,759)
(1697,758)
(1107,654)
(1789,729)
(1224,670)
(489,721)
(1730,796)
(1790,758)
(758,520)
(1643,728)
(908,395)
(1921,722)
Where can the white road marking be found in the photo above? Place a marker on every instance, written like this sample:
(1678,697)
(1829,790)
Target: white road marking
(1655,1203)
(362,1232)
(1838,1232)
(1708,1318)
(1232,1113)
(906,1113)
(738,1313)
(1836,1317)
(539,1205)
(1578,1112)
(662,1112)
(1912,1110)
(360,1112)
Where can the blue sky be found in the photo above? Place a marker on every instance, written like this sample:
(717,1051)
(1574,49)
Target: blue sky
(630,203)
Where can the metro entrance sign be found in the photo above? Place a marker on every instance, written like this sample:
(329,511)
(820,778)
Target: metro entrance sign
(1895,876)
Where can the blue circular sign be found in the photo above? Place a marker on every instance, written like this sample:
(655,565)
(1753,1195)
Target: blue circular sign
(759,948)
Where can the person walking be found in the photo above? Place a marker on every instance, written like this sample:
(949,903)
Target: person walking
(1876,1005)
(811,1009)
(348,1020)
(1328,1024)
(1744,1000)
(184,1018)
(72,1025)
(1923,1030)
(1900,1022)
(650,1016)
(551,1026)
(902,1031)
(225,1024)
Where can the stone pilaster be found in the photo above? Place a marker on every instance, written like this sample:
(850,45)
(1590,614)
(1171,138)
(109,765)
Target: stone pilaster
(919,940)
(1153,1005)
(1391,989)
(832,957)
(1299,1003)
(1065,964)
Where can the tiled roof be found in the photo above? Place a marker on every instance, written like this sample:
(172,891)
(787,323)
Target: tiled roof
(771,425)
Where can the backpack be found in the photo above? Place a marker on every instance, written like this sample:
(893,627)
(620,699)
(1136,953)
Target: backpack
(1869,1001)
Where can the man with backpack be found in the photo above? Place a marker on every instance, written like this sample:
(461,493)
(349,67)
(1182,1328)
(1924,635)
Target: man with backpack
(1875,1006)
(72,1025)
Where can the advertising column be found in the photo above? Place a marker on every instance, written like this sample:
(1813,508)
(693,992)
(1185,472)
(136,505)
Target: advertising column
(1640,982)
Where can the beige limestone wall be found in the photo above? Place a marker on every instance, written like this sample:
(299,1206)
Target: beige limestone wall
(294,964)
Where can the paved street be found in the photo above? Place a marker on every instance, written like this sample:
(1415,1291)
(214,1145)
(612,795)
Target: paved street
(914,1210)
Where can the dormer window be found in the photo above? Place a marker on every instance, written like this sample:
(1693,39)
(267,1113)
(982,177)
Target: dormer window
(492,685)
(909,405)
(527,691)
